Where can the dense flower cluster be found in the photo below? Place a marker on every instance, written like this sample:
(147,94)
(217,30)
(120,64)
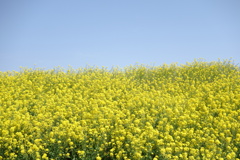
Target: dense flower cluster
(174,112)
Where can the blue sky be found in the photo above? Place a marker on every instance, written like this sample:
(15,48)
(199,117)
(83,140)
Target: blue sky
(51,33)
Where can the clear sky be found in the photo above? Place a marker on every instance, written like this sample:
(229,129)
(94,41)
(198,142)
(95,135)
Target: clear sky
(51,33)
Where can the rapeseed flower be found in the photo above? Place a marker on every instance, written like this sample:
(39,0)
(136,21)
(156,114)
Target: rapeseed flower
(140,112)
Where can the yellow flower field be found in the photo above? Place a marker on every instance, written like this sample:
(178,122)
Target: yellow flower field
(140,112)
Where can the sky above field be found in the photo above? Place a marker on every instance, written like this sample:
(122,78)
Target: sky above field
(78,33)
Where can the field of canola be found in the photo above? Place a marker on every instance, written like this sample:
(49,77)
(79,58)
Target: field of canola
(166,112)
